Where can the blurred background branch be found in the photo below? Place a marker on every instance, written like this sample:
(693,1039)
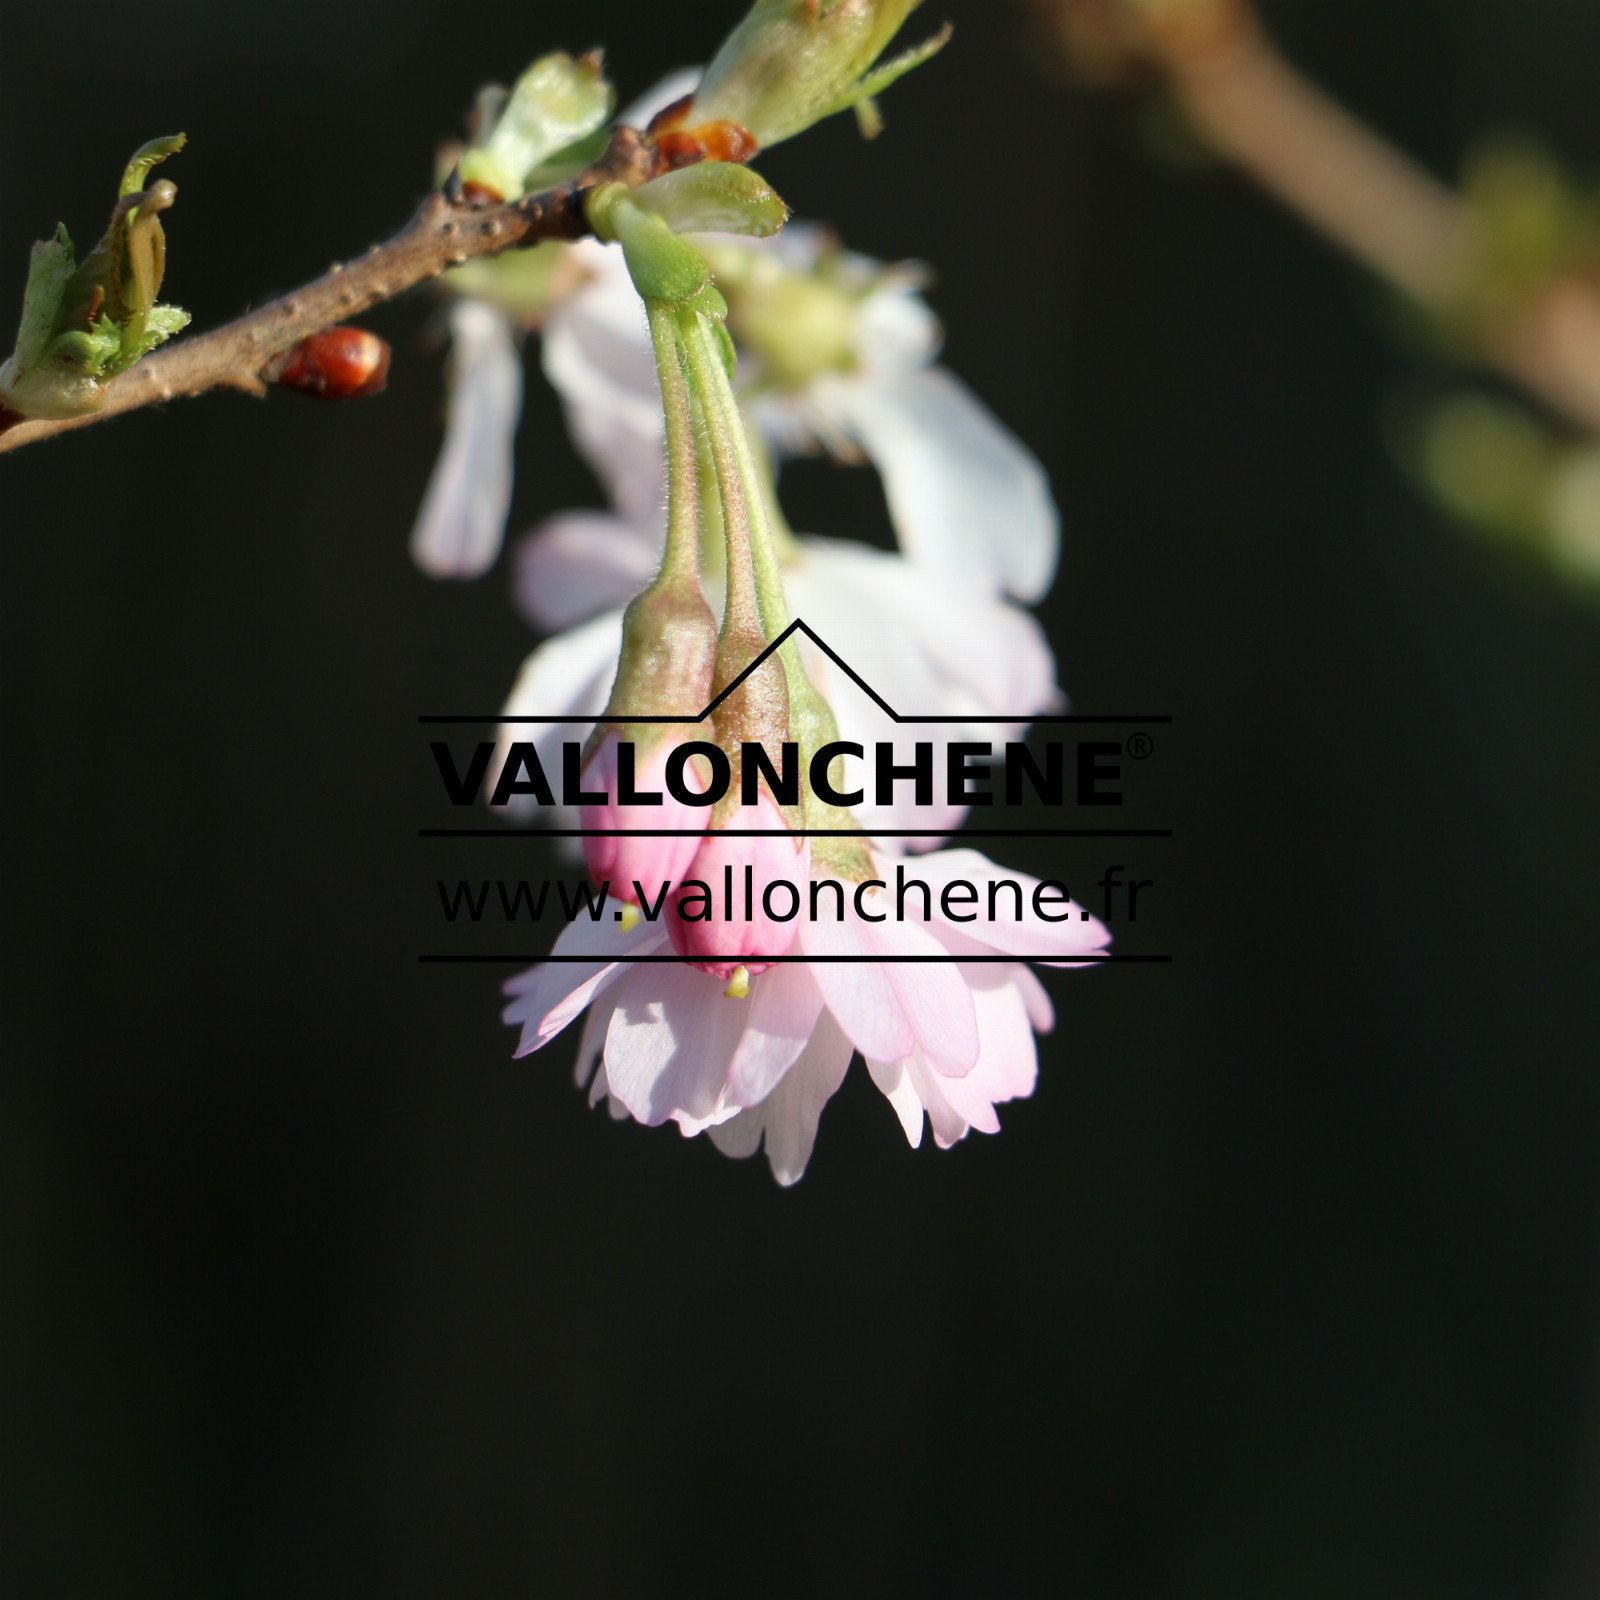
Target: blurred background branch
(1252,107)
(1504,270)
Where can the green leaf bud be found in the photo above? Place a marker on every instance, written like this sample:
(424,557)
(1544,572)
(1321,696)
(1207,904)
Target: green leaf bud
(791,63)
(559,103)
(84,324)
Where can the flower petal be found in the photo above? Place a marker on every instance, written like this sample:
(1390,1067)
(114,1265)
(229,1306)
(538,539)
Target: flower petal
(857,990)
(1079,937)
(926,646)
(669,91)
(789,1115)
(598,355)
(568,676)
(463,516)
(966,495)
(897,1088)
(547,997)
(949,1126)
(578,563)
(671,1042)
(785,1005)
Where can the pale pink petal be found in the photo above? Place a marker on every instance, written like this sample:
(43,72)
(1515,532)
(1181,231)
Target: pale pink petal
(949,1126)
(1007,1066)
(591,1047)
(1034,937)
(897,1088)
(578,563)
(789,1115)
(598,355)
(857,990)
(932,995)
(785,1008)
(927,646)
(546,998)
(670,1043)
(740,1136)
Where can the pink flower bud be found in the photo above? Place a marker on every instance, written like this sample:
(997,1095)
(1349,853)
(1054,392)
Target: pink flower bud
(639,868)
(745,897)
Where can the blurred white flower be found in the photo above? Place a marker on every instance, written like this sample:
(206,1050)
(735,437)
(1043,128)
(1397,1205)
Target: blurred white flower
(841,355)
(944,1039)
(461,524)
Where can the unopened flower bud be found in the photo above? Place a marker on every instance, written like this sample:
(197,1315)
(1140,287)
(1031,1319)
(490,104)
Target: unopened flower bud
(791,63)
(338,363)
(745,895)
(633,778)
(669,648)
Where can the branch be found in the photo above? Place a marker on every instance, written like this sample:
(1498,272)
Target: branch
(448,228)
(1359,191)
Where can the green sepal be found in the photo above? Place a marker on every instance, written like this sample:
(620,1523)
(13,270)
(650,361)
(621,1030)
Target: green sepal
(874,83)
(715,197)
(724,343)
(663,267)
(555,105)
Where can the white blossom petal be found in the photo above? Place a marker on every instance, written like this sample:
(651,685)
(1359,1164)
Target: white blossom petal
(462,521)
(966,495)
(578,563)
(670,1043)
(1079,935)
(785,1003)
(789,1115)
(897,1088)
(671,89)
(598,355)
(546,998)
(928,647)
(568,676)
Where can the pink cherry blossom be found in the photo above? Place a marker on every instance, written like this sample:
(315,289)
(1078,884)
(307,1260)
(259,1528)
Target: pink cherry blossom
(946,1038)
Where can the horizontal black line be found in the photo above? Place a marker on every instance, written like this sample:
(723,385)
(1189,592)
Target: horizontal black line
(799,833)
(962,721)
(869,961)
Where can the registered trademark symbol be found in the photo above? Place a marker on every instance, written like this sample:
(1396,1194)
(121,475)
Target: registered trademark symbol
(1141,747)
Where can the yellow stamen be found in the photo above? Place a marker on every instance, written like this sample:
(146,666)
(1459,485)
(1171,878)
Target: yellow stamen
(632,916)
(739,985)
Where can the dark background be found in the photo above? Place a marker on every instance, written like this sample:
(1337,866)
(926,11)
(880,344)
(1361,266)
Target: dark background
(1285,1282)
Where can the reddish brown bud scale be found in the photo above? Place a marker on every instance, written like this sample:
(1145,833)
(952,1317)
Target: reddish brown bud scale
(711,141)
(339,363)
(670,118)
(480,194)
